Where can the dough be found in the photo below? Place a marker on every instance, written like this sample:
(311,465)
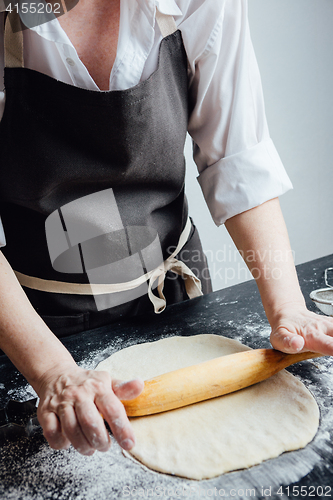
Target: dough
(231,432)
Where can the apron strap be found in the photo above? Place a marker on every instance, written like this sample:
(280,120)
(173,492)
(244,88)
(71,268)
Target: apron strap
(13,41)
(192,283)
(166,23)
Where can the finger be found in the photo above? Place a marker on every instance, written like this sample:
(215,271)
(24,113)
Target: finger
(92,425)
(52,431)
(286,341)
(127,390)
(320,340)
(72,430)
(115,415)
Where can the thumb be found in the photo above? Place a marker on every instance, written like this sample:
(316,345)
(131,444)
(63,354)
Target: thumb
(127,390)
(286,341)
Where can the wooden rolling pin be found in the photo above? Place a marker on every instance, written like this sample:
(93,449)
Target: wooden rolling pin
(210,379)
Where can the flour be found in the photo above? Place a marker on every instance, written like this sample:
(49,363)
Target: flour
(255,326)
(67,475)
(30,470)
(22,393)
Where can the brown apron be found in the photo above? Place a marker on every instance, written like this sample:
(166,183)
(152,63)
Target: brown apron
(92,192)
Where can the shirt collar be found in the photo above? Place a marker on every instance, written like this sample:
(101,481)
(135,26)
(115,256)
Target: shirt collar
(50,30)
(168,7)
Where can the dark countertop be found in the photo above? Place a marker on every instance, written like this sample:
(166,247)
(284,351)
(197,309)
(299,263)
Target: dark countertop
(31,470)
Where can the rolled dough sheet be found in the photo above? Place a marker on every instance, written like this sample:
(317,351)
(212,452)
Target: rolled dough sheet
(231,432)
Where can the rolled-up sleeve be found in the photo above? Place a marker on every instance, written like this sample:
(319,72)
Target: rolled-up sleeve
(243,181)
(239,167)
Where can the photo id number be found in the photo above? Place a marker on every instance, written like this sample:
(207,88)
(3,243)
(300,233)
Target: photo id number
(35,8)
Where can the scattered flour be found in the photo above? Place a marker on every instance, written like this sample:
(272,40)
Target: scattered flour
(30,470)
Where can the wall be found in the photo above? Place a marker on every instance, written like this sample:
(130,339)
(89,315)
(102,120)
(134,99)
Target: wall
(294,46)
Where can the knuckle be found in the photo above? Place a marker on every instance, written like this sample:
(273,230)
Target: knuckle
(86,451)
(96,385)
(312,334)
(70,393)
(57,445)
(112,408)
(62,408)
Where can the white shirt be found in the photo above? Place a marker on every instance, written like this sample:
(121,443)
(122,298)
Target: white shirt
(237,162)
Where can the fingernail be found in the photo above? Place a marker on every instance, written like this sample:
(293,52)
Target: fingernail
(120,384)
(105,446)
(85,452)
(127,444)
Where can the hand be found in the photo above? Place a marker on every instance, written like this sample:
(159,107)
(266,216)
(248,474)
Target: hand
(72,407)
(297,329)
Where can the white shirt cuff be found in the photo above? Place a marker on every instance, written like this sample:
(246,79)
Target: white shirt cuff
(243,181)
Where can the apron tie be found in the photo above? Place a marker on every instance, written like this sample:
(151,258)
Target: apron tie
(192,283)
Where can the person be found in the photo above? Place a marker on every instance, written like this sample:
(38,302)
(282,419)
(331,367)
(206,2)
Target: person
(99,101)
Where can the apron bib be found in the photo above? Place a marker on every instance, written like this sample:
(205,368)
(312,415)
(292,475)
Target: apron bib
(63,148)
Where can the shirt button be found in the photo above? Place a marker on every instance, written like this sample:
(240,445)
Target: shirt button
(70,61)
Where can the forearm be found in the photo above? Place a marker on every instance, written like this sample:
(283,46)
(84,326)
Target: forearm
(261,236)
(24,337)
(72,399)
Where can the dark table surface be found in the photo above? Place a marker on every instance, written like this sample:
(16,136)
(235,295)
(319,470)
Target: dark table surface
(29,469)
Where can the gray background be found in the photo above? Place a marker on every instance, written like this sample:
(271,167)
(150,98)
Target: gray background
(293,41)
